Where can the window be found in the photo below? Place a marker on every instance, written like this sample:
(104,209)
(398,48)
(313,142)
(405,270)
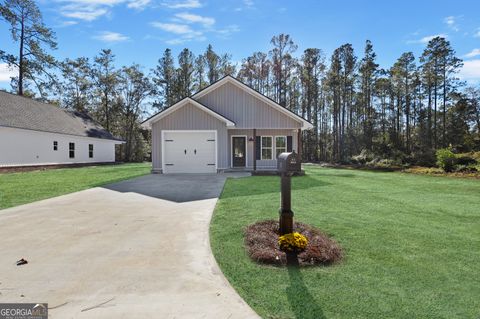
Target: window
(90,150)
(71,150)
(55,145)
(280,144)
(266,148)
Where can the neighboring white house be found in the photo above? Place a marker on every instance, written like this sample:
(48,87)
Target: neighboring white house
(34,133)
(226,126)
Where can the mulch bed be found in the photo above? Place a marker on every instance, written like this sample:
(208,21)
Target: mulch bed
(261,241)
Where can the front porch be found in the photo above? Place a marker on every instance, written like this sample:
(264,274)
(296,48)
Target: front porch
(256,150)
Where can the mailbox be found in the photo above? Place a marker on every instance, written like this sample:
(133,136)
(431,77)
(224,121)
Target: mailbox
(289,162)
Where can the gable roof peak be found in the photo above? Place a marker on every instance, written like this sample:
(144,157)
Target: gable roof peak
(306,125)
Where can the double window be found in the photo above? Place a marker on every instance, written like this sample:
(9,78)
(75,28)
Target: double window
(55,145)
(71,150)
(268,148)
(90,150)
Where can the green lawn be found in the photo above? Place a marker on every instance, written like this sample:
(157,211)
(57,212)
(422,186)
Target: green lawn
(27,187)
(412,245)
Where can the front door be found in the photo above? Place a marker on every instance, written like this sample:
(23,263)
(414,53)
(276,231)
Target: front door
(239,147)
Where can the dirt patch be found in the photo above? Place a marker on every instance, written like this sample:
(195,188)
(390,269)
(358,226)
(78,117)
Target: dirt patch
(261,241)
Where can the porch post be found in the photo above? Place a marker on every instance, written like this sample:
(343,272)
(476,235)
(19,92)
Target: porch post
(299,143)
(254,149)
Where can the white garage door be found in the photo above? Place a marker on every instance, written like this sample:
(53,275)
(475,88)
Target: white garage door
(189,152)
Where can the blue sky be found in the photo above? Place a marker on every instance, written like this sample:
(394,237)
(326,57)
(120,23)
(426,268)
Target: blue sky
(140,30)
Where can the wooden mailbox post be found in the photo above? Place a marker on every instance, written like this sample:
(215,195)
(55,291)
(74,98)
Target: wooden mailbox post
(287,164)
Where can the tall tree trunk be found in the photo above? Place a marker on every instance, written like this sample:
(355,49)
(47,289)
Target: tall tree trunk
(435,113)
(444,105)
(21,57)
(407,115)
(429,116)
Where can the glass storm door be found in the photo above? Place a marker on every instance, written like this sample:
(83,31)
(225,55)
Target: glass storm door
(239,151)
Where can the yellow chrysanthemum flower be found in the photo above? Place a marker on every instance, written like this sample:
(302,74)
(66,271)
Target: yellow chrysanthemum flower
(292,242)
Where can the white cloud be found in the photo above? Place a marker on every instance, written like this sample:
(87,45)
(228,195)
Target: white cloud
(193,18)
(181,40)
(185,26)
(470,71)
(111,37)
(427,38)
(227,31)
(186,4)
(451,22)
(477,34)
(173,27)
(431,37)
(247,4)
(89,10)
(138,4)
(182,32)
(7,72)
(66,23)
(88,13)
(472,54)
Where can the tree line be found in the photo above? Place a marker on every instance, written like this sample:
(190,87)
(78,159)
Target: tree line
(403,113)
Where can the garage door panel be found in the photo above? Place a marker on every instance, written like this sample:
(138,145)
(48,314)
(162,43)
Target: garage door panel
(189,152)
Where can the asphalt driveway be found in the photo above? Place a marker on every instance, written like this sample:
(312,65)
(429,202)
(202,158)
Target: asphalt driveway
(134,249)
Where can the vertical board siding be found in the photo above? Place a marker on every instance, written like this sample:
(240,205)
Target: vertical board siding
(246,110)
(189,117)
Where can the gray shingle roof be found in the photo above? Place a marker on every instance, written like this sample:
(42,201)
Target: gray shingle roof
(21,112)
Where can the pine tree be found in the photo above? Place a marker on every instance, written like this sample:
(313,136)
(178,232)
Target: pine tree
(105,79)
(213,61)
(33,62)
(77,86)
(184,76)
(368,72)
(282,61)
(164,81)
(133,88)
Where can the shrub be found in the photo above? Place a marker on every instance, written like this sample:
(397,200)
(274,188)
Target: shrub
(424,158)
(362,158)
(446,159)
(295,242)
(465,160)
(384,163)
(466,168)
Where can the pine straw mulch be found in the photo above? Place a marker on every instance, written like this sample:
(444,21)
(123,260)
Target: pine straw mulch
(261,241)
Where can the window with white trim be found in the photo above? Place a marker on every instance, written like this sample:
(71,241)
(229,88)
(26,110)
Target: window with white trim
(280,145)
(267,147)
(55,145)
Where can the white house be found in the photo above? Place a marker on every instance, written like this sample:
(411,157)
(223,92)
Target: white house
(34,133)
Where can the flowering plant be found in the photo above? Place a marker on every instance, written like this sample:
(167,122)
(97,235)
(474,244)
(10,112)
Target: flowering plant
(293,242)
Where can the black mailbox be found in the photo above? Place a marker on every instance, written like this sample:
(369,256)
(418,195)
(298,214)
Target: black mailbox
(289,162)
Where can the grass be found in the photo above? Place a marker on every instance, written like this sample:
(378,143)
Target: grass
(411,244)
(27,187)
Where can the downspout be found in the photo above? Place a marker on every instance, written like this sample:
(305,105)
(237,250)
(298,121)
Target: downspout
(254,149)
